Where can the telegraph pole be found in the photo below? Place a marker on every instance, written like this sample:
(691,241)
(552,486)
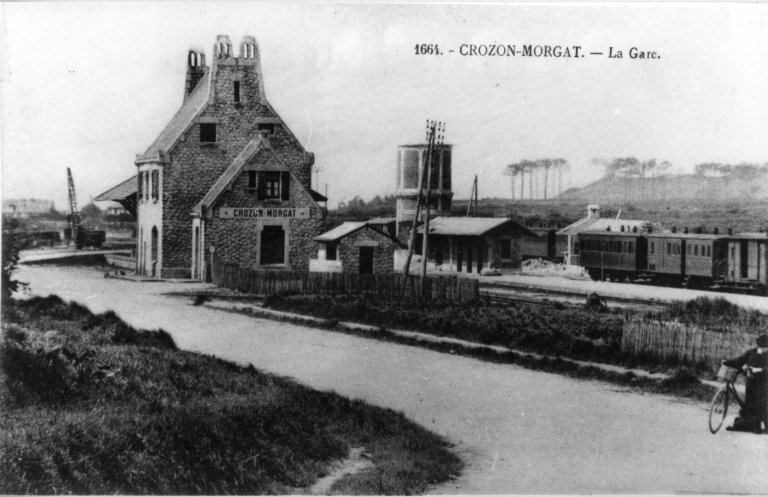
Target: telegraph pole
(433,128)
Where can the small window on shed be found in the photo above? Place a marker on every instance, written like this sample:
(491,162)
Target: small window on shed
(207,132)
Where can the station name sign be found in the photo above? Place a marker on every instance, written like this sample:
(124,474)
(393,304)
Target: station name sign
(263,213)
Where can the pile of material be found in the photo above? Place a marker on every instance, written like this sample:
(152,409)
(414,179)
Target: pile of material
(548,268)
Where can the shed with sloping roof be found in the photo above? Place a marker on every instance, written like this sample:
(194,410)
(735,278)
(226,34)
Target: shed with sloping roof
(355,247)
(472,244)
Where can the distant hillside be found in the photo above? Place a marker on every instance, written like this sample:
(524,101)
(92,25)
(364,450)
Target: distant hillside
(666,188)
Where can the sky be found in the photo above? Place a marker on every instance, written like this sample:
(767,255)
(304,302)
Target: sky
(88,86)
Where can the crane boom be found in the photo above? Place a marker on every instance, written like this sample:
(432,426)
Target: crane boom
(74,215)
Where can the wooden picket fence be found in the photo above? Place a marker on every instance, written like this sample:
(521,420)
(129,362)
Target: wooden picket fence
(382,286)
(686,343)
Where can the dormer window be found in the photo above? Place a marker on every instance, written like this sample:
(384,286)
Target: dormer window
(237,92)
(207,132)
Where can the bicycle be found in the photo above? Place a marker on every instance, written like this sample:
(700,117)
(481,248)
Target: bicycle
(720,402)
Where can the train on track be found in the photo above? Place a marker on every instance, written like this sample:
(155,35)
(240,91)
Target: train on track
(731,262)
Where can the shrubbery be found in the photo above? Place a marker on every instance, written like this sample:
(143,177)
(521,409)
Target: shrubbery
(88,405)
(574,333)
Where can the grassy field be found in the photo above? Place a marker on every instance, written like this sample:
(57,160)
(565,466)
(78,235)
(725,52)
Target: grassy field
(93,406)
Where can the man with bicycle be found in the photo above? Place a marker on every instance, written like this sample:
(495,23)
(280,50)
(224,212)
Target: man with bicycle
(754,363)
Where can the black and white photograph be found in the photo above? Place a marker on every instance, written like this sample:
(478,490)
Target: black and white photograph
(384,248)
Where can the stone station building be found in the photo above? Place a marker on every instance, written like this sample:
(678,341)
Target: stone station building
(226,180)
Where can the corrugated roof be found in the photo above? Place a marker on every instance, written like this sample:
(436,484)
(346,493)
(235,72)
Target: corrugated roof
(340,231)
(183,118)
(602,224)
(121,191)
(469,226)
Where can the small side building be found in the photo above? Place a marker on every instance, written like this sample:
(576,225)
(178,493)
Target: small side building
(471,244)
(355,248)
(593,222)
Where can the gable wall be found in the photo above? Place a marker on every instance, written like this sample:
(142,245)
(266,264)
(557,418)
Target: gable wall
(383,255)
(195,167)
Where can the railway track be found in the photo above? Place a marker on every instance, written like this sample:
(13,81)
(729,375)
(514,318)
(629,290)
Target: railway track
(517,293)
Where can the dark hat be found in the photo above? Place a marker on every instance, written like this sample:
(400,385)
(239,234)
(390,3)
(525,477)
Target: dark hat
(762,340)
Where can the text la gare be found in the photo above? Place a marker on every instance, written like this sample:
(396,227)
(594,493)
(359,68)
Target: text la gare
(634,53)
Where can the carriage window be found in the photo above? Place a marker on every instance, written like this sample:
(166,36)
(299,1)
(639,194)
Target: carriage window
(709,250)
(631,248)
(696,250)
(669,248)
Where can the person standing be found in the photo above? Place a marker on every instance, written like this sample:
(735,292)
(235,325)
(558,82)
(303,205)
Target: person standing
(754,363)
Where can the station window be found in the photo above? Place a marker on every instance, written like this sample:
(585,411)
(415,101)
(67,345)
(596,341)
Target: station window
(631,248)
(653,247)
(669,248)
(155,184)
(251,180)
(696,250)
(207,132)
(237,92)
(273,185)
(709,250)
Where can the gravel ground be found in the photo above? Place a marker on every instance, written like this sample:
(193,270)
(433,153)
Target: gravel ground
(519,431)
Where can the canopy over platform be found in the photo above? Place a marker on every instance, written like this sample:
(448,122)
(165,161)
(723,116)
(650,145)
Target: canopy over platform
(125,194)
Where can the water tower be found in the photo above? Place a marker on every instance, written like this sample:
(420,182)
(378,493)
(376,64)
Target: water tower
(410,167)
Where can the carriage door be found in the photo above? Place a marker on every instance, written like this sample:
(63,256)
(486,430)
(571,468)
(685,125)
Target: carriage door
(683,248)
(366,260)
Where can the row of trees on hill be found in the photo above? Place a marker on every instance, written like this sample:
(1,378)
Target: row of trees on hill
(547,178)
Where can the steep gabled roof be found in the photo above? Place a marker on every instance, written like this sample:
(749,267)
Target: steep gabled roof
(470,226)
(191,108)
(254,146)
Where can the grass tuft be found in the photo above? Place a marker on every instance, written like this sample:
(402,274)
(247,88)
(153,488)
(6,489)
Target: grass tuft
(92,406)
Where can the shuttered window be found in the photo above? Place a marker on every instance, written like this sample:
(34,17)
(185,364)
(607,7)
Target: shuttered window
(273,185)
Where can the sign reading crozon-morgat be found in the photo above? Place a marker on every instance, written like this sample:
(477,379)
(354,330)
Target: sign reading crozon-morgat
(263,213)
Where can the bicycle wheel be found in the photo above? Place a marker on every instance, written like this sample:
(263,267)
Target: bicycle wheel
(718,409)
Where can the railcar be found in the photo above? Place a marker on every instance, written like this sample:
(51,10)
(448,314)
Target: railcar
(687,259)
(746,267)
(612,255)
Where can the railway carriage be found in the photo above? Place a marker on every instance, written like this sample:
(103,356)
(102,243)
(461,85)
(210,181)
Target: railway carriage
(746,267)
(612,255)
(687,259)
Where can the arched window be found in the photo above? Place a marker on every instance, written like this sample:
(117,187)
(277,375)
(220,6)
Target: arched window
(192,59)
(154,250)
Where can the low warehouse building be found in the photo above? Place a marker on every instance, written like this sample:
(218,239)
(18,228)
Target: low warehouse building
(355,248)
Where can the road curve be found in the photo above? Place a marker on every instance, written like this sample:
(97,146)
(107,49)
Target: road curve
(519,431)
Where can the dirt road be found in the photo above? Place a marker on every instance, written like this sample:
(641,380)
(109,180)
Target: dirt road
(519,431)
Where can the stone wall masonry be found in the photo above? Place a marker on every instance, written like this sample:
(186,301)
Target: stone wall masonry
(195,167)
(237,241)
(383,255)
